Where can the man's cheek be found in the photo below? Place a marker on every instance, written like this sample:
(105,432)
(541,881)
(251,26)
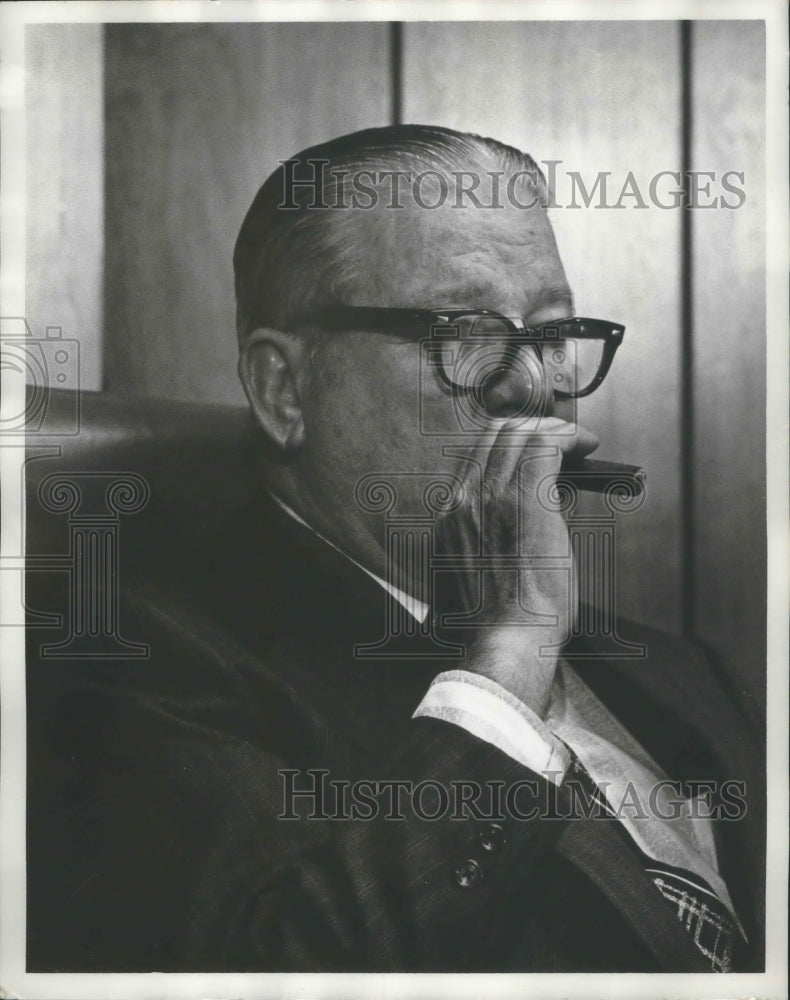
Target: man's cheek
(436,415)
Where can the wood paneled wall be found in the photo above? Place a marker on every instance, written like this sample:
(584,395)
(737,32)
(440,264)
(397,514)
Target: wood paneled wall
(64,168)
(198,115)
(727,542)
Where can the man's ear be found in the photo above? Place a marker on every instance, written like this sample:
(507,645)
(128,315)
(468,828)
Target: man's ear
(272,368)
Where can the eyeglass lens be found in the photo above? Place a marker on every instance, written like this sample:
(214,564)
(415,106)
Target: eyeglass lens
(477,346)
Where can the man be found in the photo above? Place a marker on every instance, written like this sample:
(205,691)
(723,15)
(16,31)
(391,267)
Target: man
(281,788)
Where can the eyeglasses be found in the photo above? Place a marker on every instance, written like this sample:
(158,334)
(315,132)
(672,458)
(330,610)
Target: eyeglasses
(468,347)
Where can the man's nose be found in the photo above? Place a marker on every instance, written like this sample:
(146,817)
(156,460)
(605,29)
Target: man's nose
(517,389)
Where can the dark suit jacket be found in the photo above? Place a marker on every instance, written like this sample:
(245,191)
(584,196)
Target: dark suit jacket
(154,789)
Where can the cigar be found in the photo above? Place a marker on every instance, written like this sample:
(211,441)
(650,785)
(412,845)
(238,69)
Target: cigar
(595,476)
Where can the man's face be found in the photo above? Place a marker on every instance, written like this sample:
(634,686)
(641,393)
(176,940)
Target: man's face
(377,406)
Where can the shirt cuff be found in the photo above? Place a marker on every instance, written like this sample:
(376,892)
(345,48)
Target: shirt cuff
(487,710)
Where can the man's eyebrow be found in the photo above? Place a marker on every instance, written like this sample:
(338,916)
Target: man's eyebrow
(558,295)
(447,295)
(461,295)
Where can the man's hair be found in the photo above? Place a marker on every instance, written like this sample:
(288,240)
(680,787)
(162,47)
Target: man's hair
(293,255)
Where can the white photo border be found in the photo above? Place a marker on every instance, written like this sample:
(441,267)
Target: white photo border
(16,982)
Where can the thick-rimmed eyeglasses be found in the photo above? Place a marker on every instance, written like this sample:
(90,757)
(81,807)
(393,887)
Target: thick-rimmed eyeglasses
(467,347)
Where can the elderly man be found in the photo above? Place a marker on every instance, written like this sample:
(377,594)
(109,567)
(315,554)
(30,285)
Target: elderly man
(363,740)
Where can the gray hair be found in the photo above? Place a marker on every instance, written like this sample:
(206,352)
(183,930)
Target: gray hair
(295,253)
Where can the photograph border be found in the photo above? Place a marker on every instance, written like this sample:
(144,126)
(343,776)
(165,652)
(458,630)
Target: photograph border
(16,982)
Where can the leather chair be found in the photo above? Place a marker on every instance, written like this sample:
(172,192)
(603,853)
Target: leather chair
(186,459)
(113,484)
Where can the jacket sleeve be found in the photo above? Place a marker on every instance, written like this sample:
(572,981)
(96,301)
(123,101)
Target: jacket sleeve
(397,890)
(159,838)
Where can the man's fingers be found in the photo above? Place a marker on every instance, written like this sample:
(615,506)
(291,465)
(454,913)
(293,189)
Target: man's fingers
(585,442)
(538,443)
(517,441)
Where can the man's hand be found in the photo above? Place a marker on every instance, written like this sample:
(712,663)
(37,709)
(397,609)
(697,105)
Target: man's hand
(527,600)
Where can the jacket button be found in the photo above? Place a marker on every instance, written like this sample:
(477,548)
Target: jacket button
(468,873)
(491,838)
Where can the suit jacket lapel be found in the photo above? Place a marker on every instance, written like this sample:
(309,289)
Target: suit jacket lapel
(305,607)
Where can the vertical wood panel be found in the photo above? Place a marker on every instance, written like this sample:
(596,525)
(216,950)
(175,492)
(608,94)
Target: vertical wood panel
(728,101)
(599,97)
(65,192)
(197,117)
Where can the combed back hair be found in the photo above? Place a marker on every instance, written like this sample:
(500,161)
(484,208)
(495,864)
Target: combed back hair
(291,260)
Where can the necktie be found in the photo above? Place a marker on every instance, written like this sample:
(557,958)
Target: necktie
(696,906)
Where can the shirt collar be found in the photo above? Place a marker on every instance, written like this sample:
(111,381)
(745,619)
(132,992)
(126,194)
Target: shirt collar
(416,608)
